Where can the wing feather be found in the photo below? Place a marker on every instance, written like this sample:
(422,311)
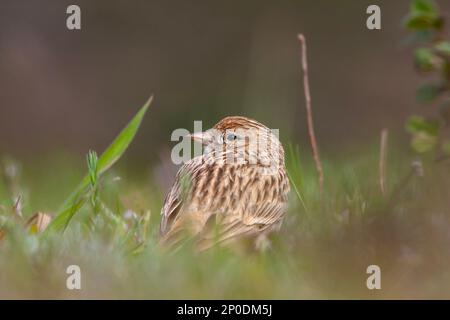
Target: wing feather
(218,223)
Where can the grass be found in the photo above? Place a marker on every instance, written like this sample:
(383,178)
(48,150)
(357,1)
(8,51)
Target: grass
(108,226)
(321,252)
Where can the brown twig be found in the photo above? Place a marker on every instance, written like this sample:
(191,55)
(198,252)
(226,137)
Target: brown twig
(382,162)
(309,115)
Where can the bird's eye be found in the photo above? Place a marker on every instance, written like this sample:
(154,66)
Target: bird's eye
(231,137)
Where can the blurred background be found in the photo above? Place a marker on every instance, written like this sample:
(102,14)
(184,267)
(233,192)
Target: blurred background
(74,90)
(64,92)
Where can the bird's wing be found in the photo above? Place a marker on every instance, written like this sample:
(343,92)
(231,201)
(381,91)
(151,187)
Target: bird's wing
(265,205)
(215,224)
(178,213)
(174,200)
(256,220)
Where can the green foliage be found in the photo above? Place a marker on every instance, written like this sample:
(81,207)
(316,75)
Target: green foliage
(92,163)
(423,15)
(417,124)
(431,59)
(424,133)
(293,168)
(427,92)
(443,47)
(423,142)
(97,167)
(425,60)
(349,227)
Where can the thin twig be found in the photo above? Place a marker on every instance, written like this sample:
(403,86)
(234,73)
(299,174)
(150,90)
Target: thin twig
(383,157)
(309,115)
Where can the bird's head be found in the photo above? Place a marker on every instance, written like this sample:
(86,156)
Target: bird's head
(240,139)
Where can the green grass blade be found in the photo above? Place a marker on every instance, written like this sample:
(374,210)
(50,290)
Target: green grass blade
(293,172)
(297,191)
(109,157)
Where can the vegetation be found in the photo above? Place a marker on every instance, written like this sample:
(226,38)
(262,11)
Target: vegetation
(109,223)
(432,59)
(322,251)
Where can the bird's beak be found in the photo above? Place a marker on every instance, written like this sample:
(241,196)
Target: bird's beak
(201,137)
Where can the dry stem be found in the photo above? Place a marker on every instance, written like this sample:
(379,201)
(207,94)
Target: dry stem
(382,162)
(309,115)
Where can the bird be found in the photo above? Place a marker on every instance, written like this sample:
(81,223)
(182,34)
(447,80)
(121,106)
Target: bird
(237,188)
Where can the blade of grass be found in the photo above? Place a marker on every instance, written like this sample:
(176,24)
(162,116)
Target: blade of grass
(106,161)
(297,191)
(293,173)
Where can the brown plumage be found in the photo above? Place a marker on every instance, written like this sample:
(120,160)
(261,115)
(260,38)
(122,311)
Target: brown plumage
(237,188)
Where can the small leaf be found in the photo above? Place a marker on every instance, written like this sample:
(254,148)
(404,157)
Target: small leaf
(92,162)
(425,59)
(423,142)
(113,153)
(416,124)
(423,22)
(443,47)
(423,6)
(423,15)
(65,214)
(123,140)
(428,92)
